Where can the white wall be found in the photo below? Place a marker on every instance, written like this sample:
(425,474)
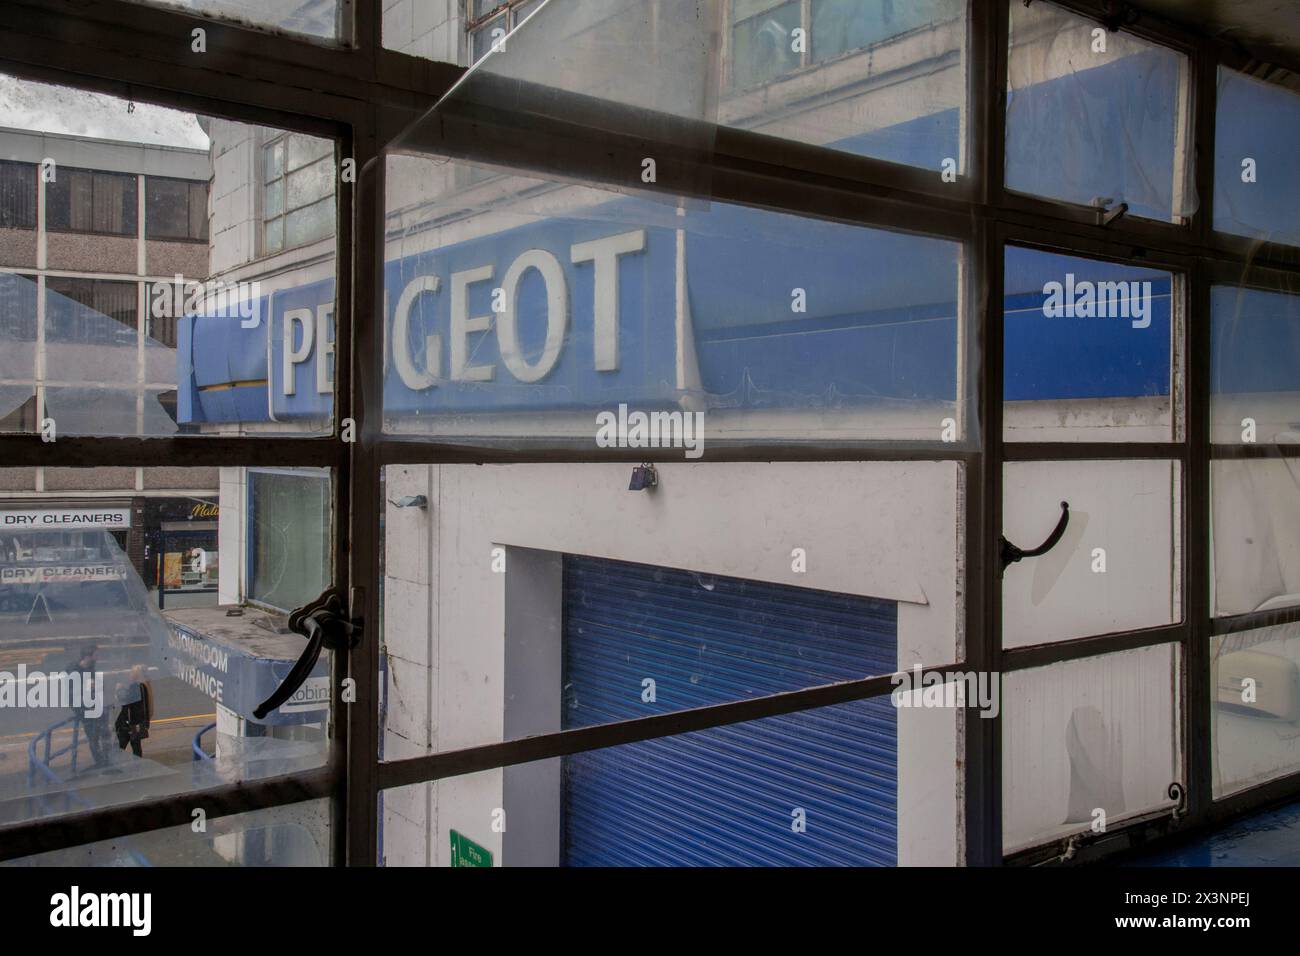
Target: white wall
(432,29)
(231,540)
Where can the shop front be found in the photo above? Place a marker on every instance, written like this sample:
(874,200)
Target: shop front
(180,549)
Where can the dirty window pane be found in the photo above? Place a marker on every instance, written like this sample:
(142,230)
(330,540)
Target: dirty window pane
(1088,349)
(306,149)
(490,32)
(1256,140)
(273,160)
(1088,740)
(871,77)
(851,784)
(1255,349)
(1118,565)
(90,334)
(86,201)
(761,46)
(312,18)
(296,834)
(18,410)
(554,313)
(1256,511)
(309,223)
(175,209)
(311,183)
(273,235)
(1095,115)
(290,525)
(149,326)
(879,78)
(1255,680)
(273,201)
(17,195)
(701,612)
(124,618)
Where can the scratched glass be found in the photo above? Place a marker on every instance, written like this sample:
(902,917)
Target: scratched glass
(317,19)
(133,651)
(1090,742)
(508,615)
(522,305)
(876,78)
(857,784)
(133,322)
(296,834)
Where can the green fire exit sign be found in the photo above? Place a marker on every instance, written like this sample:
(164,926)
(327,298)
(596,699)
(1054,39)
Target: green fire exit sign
(465,852)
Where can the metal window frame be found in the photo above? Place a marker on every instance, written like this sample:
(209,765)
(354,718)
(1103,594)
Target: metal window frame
(134,178)
(35,171)
(189,201)
(283,137)
(363,96)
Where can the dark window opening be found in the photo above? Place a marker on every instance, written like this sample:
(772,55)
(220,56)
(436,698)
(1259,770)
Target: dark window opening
(100,298)
(175,209)
(83,200)
(17,195)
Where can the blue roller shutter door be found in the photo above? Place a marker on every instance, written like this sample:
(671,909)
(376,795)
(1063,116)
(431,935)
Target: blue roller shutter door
(725,796)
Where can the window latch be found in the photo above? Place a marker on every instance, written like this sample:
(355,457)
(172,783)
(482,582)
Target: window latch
(1106,211)
(1011,554)
(325,624)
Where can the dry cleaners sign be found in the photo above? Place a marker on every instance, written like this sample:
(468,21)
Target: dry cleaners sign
(65,520)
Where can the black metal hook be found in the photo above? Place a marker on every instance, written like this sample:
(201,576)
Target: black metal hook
(1011,554)
(323,623)
(1117,13)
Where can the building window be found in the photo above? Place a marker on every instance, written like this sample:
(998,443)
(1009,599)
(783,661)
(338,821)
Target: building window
(91,311)
(288,537)
(175,209)
(491,20)
(765,46)
(1257,127)
(84,200)
(297,192)
(17,195)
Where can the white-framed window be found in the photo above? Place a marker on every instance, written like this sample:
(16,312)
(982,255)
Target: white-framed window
(288,536)
(490,20)
(765,46)
(297,179)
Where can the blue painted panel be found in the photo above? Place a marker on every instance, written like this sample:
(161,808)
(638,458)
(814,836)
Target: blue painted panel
(646,299)
(1260,121)
(307,401)
(880,323)
(1254,341)
(880,320)
(725,795)
(925,141)
(1105,131)
(236,679)
(1080,357)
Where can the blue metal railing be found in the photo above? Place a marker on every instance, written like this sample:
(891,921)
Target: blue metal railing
(197,744)
(38,765)
(200,756)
